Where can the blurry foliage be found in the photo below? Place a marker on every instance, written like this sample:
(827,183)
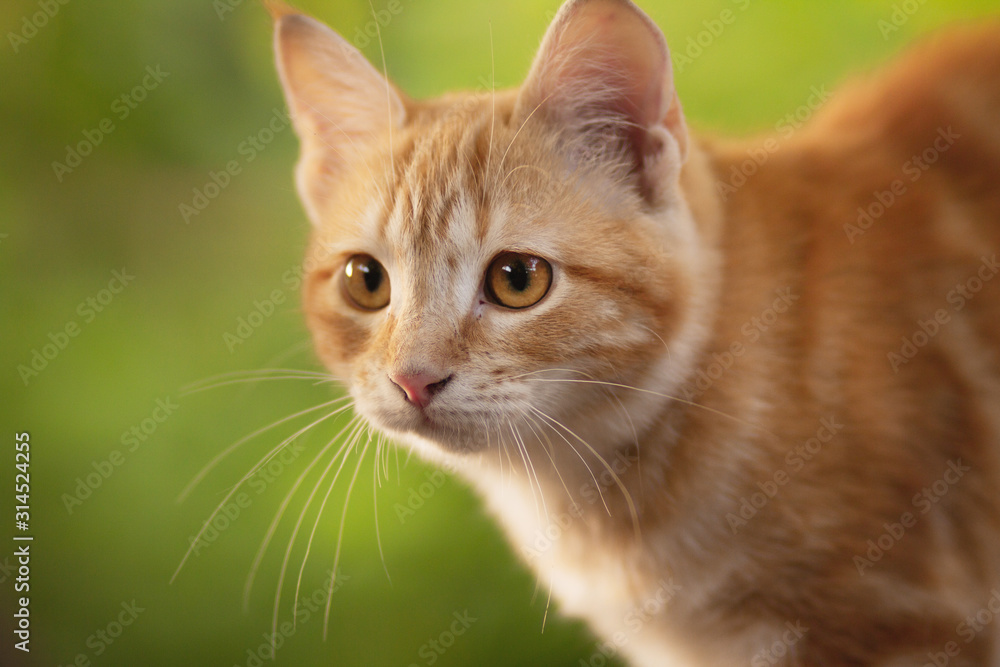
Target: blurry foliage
(60,241)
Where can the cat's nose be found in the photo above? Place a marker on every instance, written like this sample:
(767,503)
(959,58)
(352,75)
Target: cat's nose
(420,388)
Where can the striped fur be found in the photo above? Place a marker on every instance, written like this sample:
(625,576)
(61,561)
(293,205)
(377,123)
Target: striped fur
(715,409)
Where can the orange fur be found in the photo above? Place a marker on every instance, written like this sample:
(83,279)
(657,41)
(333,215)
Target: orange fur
(753,396)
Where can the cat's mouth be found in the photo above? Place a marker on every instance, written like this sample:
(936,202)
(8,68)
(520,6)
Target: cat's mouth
(450,429)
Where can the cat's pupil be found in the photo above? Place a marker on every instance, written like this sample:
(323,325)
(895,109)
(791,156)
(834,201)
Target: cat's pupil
(372,272)
(517,275)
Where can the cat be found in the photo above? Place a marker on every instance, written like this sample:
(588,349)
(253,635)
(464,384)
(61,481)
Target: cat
(749,391)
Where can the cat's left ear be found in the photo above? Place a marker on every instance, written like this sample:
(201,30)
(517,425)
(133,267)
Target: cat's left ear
(603,71)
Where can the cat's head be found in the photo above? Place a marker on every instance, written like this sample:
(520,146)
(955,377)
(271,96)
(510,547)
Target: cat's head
(493,263)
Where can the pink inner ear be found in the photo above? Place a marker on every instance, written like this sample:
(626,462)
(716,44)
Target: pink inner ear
(604,55)
(611,45)
(603,71)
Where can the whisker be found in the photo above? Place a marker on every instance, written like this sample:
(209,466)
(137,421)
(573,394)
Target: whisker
(379,444)
(399,479)
(548,602)
(549,451)
(262,373)
(661,395)
(523,166)
(316,380)
(290,352)
(298,524)
(388,90)
(534,472)
(354,437)
(551,370)
(493,103)
(527,471)
(506,450)
(233,447)
(262,462)
(259,556)
(517,134)
(625,492)
(586,465)
(340,540)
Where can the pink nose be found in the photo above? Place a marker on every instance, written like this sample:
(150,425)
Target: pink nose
(419,388)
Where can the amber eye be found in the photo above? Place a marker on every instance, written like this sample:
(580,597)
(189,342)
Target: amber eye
(516,280)
(366,282)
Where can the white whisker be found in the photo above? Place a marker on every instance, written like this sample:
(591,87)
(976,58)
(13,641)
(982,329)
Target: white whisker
(260,463)
(354,437)
(659,394)
(298,524)
(573,448)
(316,380)
(493,108)
(379,444)
(233,447)
(263,373)
(625,492)
(259,556)
(340,540)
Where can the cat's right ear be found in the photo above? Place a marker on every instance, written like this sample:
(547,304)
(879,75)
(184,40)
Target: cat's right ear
(341,106)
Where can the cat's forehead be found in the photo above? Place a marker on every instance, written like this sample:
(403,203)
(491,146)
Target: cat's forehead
(452,190)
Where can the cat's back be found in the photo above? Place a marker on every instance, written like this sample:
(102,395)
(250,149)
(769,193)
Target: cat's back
(943,93)
(883,214)
(890,195)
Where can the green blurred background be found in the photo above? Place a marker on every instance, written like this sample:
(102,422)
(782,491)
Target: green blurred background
(63,234)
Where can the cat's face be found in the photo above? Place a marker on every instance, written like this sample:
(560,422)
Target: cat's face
(490,268)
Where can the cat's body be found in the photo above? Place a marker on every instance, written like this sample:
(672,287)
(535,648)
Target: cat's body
(744,422)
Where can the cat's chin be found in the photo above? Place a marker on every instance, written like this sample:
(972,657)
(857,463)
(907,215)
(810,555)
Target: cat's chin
(431,435)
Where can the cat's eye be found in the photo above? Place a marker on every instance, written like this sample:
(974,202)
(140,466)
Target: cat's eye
(366,282)
(517,280)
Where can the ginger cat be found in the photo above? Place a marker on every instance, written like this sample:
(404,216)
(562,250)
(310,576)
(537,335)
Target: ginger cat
(735,402)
